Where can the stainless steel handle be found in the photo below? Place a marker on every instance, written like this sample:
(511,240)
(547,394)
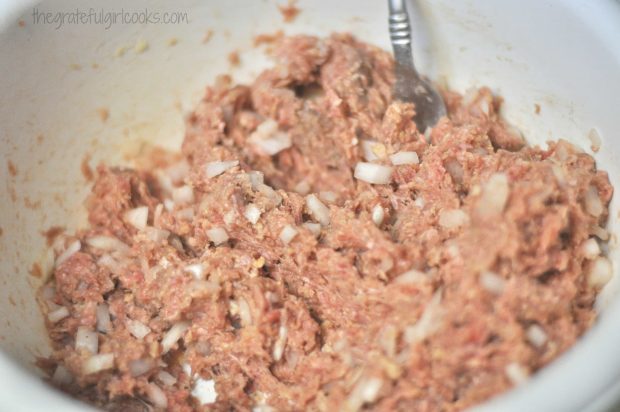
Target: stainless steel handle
(400,36)
(409,86)
(400,31)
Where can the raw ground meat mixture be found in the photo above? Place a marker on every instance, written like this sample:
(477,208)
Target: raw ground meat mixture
(260,270)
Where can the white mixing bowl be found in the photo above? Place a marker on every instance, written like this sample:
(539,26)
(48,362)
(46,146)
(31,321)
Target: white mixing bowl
(563,55)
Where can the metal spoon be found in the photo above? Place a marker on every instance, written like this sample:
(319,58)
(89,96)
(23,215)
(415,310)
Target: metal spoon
(410,86)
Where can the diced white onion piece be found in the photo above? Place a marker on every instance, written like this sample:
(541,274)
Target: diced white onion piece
(599,232)
(270,193)
(516,373)
(370,389)
(492,282)
(104,324)
(419,202)
(373,173)
(287,234)
(562,151)
(137,328)
(173,335)
(428,323)
(314,228)
(455,170)
(137,217)
(256,179)
(245,313)
(404,158)
(485,105)
(217,235)
(49,294)
(494,195)
(176,243)
(266,128)
(388,340)
(272,297)
(593,203)
(595,140)
(156,395)
(58,314)
(329,197)
(178,171)
(58,244)
(204,391)
(252,213)
(280,344)
(139,367)
(268,139)
(469,97)
(385,264)
(368,153)
(303,188)
(86,338)
(97,363)
(558,172)
(536,335)
(590,248)
(72,249)
(202,287)
(165,182)
(273,145)
(109,262)
(216,168)
(365,391)
(169,204)
(62,376)
(166,378)
(107,243)
(317,209)
(49,291)
(263,408)
(164,263)
(373,150)
(428,133)
(600,272)
(453,218)
(187,369)
(183,195)
(51,306)
(233,307)
(411,277)
(157,235)
(378,214)
(379,149)
(197,270)
(185,214)
(229,217)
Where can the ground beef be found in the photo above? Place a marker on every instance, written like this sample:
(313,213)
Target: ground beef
(258,266)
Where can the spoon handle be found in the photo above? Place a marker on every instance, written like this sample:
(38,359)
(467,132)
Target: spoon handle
(400,35)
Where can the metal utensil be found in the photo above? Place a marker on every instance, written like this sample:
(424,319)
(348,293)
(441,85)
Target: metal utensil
(410,86)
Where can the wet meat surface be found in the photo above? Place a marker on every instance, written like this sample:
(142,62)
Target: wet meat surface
(263,271)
